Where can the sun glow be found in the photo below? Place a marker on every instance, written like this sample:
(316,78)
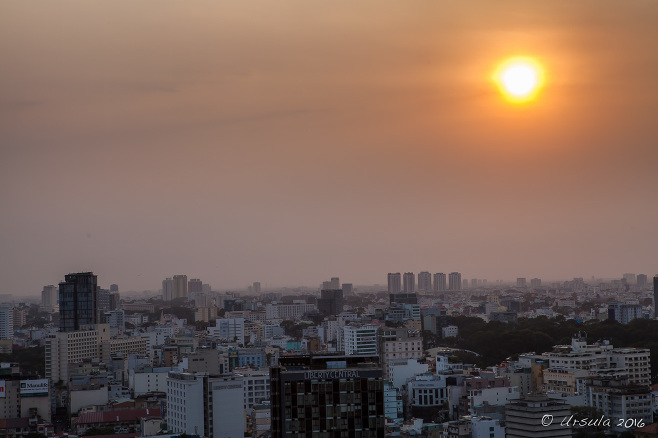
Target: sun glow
(519,79)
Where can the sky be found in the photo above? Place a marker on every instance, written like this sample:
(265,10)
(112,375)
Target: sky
(289,142)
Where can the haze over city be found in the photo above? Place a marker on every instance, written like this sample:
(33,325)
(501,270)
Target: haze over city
(288,142)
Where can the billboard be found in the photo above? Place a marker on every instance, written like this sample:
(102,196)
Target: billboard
(34,388)
(2,389)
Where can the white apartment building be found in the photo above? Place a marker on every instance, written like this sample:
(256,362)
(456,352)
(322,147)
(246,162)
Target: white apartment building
(287,311)
(228,329)
(401,370)
(399,344)
(148,379)
(602,357)
(185,400)
(203,405)
(64,348)
(450,331)
(485,427)
(125,346)
(427,390)
(357,339)
(255,386)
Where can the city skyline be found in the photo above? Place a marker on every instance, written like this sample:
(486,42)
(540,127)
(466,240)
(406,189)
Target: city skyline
(289,142)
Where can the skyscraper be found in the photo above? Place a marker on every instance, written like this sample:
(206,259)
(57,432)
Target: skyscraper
(535,282)
(78,301)
(641,281)
(394,283)
(655,294)
(409,282)
(439,282)
(180,286)
(454,281)
(168,289)
(424,281)
(520,282)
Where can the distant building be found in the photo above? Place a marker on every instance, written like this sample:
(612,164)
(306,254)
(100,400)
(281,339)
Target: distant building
(394,283)
(78,306)
(6,322)
(439,282)
(403,298)
(194,285)
(180,287)
(424,281)
(535,282)
(168,289)
(655,295)
(348,289)
(520,282)
(624,313)
(454,281)
(255,288)
(642,281)
(49,298)
(409,282)
(330,302)
(114,288)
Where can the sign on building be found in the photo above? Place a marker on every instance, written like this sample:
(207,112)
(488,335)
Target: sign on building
(2,389)
(34,388)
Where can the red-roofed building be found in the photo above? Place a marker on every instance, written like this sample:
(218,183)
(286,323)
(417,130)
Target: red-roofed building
(122,421)
(648,431)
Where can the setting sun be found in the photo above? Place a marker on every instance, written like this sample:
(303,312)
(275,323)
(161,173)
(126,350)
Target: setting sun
(519,79)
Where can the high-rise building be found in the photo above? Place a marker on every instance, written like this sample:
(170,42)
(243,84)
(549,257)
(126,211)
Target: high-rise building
(334,283)
(49,297)
(439,282)
(409,282)
(474,283)
(394,283)
(642,281)
(256,287)
(424,281)
(180,286)
(339,396)
(358,339)
(103,300)
(114,288)
(6,322)
(194,285)
(348,289)
(330,302)
(78,306)
(630,278)
(454,281)
(168,289)
(655,295)
(520,282)
(535,282)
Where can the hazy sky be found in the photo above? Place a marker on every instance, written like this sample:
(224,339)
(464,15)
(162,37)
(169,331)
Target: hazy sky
(290,141)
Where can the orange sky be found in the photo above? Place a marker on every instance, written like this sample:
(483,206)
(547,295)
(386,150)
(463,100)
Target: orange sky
(288,142)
